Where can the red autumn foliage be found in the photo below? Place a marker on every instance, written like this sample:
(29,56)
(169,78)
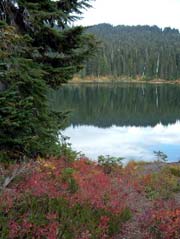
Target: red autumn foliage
(79,183)
(98,188)
(162,220)
(80,200)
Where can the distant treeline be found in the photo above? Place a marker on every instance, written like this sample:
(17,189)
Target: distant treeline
(135,51)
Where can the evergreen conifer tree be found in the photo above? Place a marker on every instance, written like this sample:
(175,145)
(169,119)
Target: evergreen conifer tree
(39,49)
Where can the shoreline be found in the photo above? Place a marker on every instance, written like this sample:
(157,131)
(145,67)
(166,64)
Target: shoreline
(108,80)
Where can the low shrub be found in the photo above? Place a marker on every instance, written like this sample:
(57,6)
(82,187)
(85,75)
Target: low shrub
(54,201)
(162,221)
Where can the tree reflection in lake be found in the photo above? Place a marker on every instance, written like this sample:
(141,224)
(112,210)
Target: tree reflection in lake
(125,120)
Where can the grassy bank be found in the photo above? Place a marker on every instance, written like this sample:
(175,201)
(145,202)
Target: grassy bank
(111,79)
(79,199)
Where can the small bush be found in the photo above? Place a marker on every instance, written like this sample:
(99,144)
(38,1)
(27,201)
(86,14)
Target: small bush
(109,163)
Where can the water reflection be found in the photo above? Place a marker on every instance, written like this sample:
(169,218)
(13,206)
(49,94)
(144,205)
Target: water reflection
(130,142)
(125,104)
(124,120)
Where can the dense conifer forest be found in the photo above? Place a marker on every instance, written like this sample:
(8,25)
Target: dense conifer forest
(145,52)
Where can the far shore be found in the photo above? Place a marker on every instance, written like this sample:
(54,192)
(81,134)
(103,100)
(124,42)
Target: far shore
(110,79)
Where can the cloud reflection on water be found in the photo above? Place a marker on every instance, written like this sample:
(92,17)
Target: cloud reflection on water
(129,142)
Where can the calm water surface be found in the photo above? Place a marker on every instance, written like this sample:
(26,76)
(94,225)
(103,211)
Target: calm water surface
(126,120)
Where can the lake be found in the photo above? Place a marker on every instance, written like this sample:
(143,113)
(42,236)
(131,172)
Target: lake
(123,120)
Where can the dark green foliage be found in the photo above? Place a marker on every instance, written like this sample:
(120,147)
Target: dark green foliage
(117,220)
(175,171)
(38,50)
(67,177)
(109,163)
(138,51)
(160,156)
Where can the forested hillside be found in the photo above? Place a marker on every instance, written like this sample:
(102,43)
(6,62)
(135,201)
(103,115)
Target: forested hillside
(135,51)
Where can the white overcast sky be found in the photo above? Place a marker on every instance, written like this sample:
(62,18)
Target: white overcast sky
(163,13)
